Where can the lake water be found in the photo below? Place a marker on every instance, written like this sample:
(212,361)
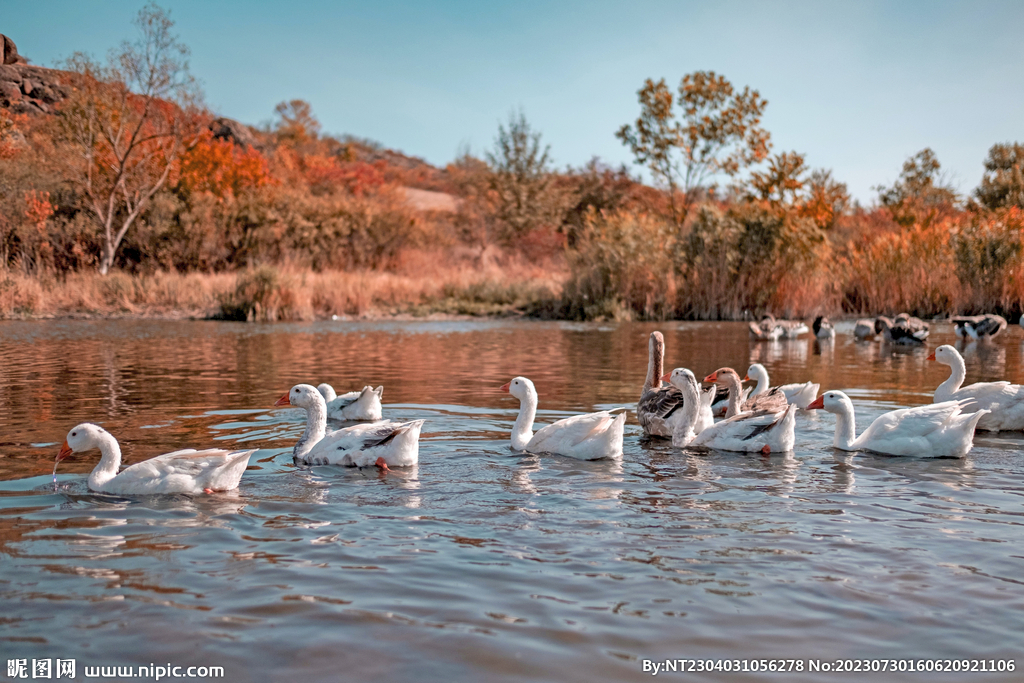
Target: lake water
(479,564)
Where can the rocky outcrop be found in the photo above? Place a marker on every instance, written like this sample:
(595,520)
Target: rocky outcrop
(9,51)
(28,89)
(224,128)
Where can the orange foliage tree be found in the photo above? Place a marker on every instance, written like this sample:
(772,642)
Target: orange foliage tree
(221,168)
(126,125)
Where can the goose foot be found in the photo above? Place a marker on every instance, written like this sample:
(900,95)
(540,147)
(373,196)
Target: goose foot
(766,450)
(207,490)
(381,463)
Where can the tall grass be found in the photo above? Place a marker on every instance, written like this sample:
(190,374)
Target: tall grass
(425,286)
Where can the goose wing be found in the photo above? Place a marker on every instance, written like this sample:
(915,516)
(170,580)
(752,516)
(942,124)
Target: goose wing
(564,435)
(658,404)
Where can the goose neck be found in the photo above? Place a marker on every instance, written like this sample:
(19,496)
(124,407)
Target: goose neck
(846,429)
(683,432)
(522,432)
(316,426)
(110,461)
(956,377)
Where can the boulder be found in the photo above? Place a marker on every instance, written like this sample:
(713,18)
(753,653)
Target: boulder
(10,74)
(9,50)
(9,92)
(224,128)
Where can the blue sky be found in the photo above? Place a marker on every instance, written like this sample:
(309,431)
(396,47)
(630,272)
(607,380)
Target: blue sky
(857,87)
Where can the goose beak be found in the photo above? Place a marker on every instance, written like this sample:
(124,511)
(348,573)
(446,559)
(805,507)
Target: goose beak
(817,404)
(666,376)
(931,357)
(283,401)
(713,377)
(504,387)
(746,378)
(64,452)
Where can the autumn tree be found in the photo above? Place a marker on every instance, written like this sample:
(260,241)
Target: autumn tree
(782,181)
(920,193)
(1003,182)
(521,178)
(824,199)
(705,129)
(126,125)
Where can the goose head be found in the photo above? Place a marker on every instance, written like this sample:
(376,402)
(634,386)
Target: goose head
(684,380)
(832,402)
(84,437)
(945,354)
(327,391)
(755,373)
(520,387)
(301,395)
(723,376)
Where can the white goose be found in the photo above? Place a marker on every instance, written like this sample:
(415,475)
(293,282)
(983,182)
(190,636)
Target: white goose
(395,444)
(585,437)
(765,431)
(979,326)
(355,405)
(658,408)
(800,394)
(1003,401)
(185,471)
(939,430)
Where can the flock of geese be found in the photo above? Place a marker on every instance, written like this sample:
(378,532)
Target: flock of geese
(759,419)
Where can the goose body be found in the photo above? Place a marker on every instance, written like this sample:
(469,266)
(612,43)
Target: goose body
(769,329)
(184,471)
(1003,402)
(763,431)
(903,330)
(772,400)
(384,444)
(937,430)
(823,328)
(799,394)
(659,407)
(864,329)
(362,405)
(585,437)
(979,326)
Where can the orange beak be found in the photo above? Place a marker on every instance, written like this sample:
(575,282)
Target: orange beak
(505,386)
(283,401)
(713,377)
(665,377)
(64,452)
(931,357)
(817,404)
(746,378)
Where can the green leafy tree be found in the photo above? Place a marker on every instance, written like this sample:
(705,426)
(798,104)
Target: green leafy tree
(526,195)
(1003,182)
(685,139)
(920,193)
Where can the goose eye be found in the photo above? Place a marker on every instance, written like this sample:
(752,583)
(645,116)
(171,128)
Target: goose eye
(74,433)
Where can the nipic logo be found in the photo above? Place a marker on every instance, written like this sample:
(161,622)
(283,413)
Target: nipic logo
(41,668)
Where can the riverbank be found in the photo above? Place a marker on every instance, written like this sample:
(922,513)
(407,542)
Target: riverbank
(269,293)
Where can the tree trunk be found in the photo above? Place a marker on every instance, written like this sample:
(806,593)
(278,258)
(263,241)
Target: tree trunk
(106,258)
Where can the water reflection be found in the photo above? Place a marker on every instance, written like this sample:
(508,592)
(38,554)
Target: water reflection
(483,564)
